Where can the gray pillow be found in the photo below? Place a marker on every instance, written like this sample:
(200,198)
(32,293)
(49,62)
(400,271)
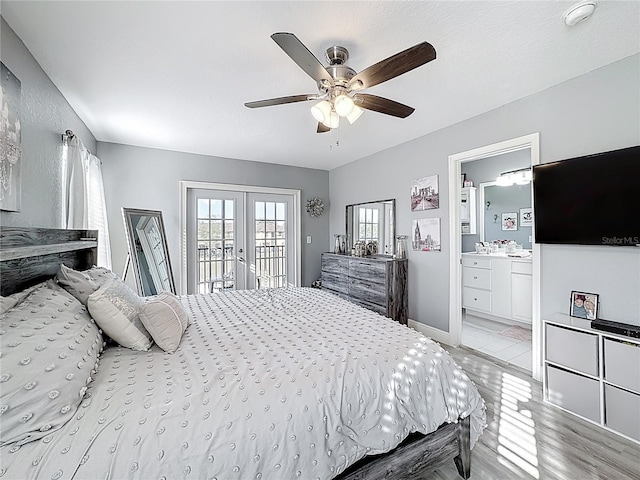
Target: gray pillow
(83,284)
(114,307)
(50,348)
(165,319)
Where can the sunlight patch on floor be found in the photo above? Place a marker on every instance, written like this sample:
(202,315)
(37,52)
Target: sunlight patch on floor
(516,428)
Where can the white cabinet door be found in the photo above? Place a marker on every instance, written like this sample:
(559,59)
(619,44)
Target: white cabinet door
(501,288)
(521,297)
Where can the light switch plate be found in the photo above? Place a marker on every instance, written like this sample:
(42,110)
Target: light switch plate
(308,238)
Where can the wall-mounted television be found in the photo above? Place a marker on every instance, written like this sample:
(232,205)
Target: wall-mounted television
(590,200)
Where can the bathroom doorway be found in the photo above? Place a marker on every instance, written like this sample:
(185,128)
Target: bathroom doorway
(495,296)
(500,327)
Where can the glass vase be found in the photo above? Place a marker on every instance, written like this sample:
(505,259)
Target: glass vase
(401,246)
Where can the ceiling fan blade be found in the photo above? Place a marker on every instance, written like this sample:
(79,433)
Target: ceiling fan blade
(394,66)
(280,101)
(322,128)
(300,54)
(382,105)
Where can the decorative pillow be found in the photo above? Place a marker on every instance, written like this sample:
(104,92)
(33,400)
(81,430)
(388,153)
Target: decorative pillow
(165,319)
(50,348)
(114,307)
(83,284)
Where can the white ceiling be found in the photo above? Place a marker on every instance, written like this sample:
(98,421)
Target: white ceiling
(175,75)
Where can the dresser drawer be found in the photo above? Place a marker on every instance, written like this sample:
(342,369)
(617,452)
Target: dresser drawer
(622,364)
(335,264)
(369,271)
(370,306)
(335,282)
(476,278)
(476,262)
(476,299)
(368,291)
(572,349)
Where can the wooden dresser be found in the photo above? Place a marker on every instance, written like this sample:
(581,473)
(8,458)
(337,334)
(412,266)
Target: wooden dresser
(376,283)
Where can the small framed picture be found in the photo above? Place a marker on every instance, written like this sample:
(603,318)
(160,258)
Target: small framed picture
(526,217)
(584,305)
(510,221)
(463,177)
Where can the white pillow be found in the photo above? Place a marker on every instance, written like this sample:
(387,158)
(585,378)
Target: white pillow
(114,307)
(165,319)
(83,284)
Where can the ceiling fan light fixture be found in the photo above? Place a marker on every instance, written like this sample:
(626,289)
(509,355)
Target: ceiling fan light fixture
(321,112)
(355,114)
(333,120)
(343,105)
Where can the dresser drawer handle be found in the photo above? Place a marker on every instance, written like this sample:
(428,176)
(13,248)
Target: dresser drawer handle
(475,278)
(475,299)
(475,263)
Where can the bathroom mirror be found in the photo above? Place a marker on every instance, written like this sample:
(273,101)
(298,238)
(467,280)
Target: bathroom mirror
(148,253)
(372,221)
(495,202)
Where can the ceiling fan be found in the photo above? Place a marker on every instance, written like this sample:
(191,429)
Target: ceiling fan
(339,86)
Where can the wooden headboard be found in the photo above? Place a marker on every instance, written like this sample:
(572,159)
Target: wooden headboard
(32,255)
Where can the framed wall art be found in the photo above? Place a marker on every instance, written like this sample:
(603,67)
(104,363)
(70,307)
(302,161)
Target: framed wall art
(10,142)
(424,194)
(510,221)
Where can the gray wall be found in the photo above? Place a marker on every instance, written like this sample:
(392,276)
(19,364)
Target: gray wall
(487,170)
(137,177)
(596,112)
(44,116)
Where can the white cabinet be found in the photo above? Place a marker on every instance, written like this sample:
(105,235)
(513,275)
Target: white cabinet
(468,210)
(476,284)
(593,374)
(521,291)
(497,285)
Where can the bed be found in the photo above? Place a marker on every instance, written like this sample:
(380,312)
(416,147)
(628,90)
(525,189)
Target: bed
(266,384)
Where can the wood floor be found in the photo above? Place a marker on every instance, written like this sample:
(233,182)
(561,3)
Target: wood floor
(528,439)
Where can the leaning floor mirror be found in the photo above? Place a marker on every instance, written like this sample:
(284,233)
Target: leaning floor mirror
(148,252)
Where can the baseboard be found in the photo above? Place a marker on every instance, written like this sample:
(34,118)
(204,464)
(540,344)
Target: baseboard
(436,334)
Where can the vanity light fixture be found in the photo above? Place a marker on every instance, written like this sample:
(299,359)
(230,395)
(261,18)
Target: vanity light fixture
(518,177)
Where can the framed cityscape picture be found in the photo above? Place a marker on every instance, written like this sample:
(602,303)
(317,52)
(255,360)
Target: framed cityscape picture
(424,194)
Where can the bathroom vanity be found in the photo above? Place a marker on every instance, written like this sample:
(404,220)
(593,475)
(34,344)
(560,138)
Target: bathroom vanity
(497,285)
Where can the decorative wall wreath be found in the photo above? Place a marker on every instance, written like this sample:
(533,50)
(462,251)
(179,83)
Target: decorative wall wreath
(315,207)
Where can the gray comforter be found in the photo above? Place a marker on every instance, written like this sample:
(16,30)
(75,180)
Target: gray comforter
(276,384)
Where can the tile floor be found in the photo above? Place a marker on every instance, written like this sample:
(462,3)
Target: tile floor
(484,336)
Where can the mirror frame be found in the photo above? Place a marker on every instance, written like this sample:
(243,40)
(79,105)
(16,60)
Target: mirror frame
(133,258)
(393,222)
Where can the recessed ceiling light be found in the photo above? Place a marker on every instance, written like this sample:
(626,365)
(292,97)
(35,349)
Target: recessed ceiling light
(579,12)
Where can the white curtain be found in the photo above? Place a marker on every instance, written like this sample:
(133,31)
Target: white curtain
(85,203)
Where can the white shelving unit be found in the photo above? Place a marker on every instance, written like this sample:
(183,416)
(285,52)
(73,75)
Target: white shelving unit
(468,210)
(592,373)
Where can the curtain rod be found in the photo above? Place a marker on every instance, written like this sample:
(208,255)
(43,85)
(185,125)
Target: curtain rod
(68,135)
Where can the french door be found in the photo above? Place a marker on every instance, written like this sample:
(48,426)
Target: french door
(238,239)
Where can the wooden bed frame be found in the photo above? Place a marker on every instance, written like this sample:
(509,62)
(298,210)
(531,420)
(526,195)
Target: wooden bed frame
(32,255)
